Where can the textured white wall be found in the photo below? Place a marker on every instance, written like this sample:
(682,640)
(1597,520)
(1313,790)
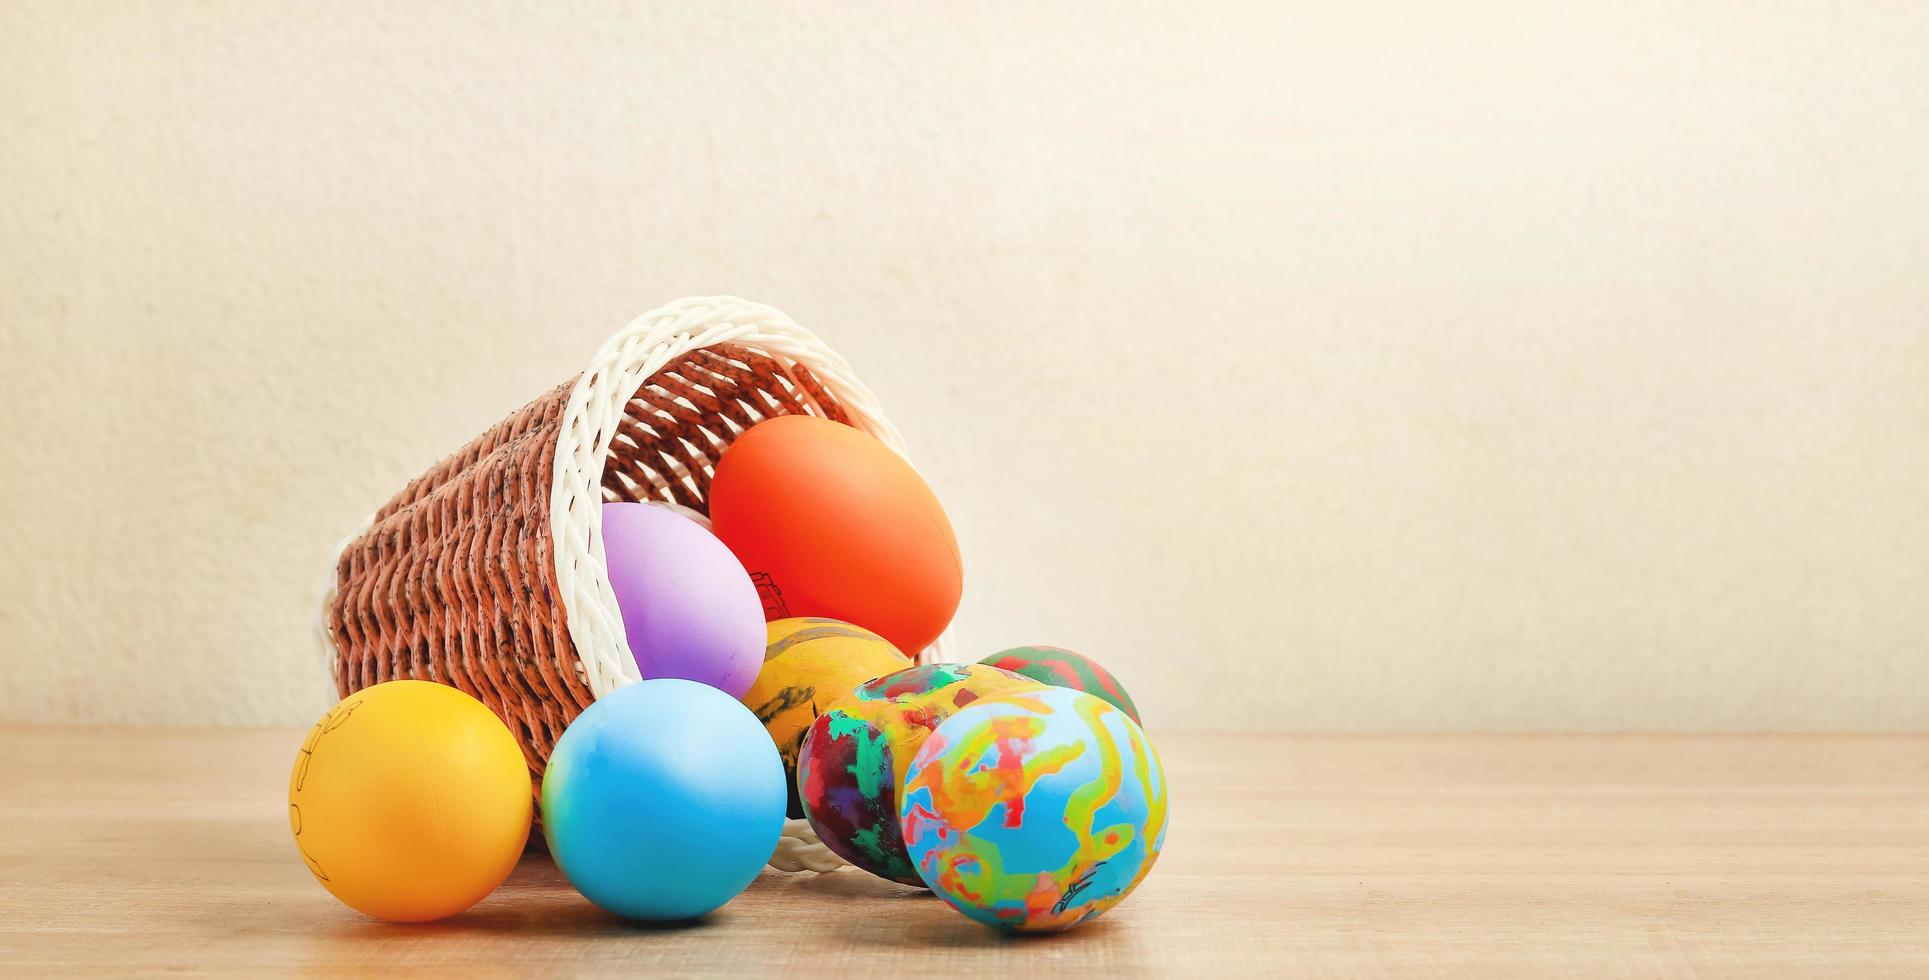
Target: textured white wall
(1316,365)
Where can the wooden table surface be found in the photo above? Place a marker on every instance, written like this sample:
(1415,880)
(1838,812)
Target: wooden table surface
(167,850)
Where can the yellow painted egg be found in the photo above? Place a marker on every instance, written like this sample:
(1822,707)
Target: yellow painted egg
(810,662)
(410,801)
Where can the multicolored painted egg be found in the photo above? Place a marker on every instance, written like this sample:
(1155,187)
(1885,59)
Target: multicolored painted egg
(854,758)
(1035,811)
(1060,667)
(809,663)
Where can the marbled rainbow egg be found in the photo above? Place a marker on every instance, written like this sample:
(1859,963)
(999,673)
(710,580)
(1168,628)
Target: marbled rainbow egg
(854,758)
(1035,811)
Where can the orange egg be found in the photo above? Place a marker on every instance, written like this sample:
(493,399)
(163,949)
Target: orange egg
(830,522)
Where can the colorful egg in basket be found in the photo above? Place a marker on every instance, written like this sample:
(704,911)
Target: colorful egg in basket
(810,662)
(689,610)
(1060,667)
(1035,811)
(855,756)
(832,523)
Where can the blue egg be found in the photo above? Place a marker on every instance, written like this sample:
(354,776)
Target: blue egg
(663,800)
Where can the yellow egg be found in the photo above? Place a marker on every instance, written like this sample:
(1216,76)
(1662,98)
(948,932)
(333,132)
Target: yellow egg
(808,663)
(410,801)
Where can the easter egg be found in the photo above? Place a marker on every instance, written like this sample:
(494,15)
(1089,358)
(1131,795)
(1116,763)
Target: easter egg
(1035,811)
(410,801)
(1063,668)
(832,523)
(663,800)
(689,610)
(808,663)
(854,757)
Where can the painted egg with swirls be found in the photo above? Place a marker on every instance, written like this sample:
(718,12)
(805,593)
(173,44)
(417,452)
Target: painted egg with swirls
(1035,811)
(810,662)
(1060,667)
(854,757)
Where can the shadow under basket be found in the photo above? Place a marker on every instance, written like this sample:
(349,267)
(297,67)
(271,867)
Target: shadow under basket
(486,573)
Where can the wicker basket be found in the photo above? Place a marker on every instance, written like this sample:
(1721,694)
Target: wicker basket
(486,573)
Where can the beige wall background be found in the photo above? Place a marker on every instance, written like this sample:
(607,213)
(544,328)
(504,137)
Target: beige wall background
(1315,365)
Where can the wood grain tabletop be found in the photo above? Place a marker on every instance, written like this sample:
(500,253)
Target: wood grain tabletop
(167,851)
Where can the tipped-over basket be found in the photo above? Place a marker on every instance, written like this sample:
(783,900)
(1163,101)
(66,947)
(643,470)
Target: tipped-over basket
(487,574)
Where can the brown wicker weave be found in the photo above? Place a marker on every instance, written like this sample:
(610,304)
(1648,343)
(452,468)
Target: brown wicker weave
(457,579)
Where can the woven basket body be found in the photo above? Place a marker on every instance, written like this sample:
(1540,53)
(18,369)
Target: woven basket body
(487,574)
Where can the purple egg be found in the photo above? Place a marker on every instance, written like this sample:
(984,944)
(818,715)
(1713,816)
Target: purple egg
(689,608)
